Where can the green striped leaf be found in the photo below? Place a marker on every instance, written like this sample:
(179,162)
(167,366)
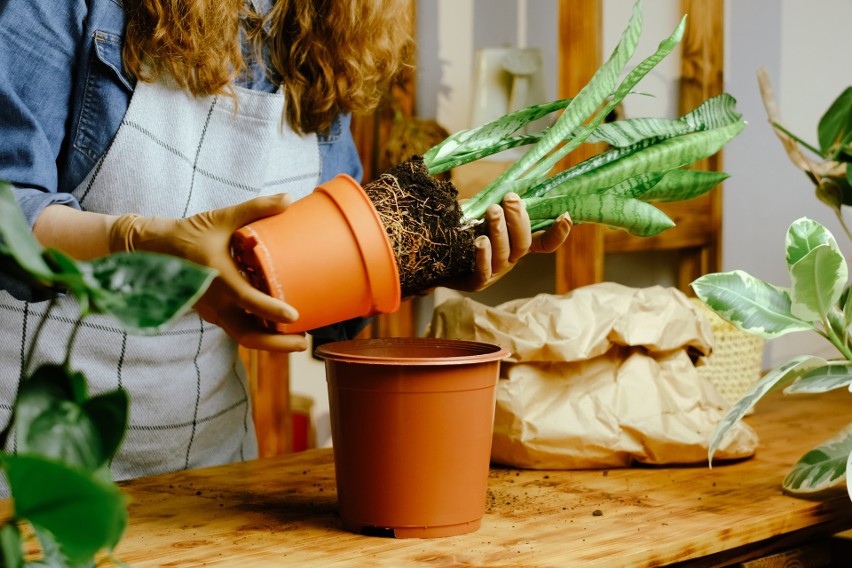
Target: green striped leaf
(626,86)
(634,216)
(776,378)
(823,468)
(457,159)
(823,379)
(578,110)
(817,280)
(667,155)
(682,185)
(715,112)
(749,303)
(470,145)
(674,185)
(629,131)
(634,187)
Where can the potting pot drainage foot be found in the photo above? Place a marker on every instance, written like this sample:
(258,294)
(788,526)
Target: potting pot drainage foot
(411,426)
(414,532)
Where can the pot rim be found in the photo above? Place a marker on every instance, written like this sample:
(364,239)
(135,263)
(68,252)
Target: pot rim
(363,351)
(382,277)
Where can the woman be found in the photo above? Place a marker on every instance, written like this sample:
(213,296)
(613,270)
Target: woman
(163,126)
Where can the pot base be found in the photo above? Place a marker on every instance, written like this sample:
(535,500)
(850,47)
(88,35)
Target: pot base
(413,532)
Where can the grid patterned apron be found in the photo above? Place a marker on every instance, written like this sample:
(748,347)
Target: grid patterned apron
(173,156)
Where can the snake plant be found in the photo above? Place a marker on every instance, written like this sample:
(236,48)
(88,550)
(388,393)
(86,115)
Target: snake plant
(645,163)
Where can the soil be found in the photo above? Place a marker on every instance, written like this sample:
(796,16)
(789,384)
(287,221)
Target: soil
(422,217)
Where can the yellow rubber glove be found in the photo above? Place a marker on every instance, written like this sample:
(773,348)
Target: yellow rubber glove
(509,239)
(230,302)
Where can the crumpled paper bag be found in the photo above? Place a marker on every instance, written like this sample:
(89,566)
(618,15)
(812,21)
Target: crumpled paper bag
(601,377)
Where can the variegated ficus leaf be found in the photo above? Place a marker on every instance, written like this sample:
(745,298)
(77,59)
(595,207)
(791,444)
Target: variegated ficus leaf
(751,304)
(776,378)
(823,468)
(823,379)
(817,268)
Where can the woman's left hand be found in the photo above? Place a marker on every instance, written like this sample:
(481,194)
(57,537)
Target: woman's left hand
(508,239)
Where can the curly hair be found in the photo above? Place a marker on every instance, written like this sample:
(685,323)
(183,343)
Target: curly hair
(330,56)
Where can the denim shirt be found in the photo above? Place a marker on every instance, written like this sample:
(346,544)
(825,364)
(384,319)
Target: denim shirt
(64,93)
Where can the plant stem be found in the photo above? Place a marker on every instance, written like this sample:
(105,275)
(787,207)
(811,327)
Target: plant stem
(73,336)
(31,351)
(835,340)
(796,138)
(839,213)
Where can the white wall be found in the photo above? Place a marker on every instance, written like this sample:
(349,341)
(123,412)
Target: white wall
(802,45)
(799,43)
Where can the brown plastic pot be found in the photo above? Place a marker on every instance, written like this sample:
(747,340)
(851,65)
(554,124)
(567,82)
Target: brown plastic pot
(411,424)
(327,255)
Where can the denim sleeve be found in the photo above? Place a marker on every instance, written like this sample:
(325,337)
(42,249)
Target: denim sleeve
(338,152)
(39,41)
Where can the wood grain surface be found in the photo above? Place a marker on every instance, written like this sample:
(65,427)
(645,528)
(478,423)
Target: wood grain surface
(282,511)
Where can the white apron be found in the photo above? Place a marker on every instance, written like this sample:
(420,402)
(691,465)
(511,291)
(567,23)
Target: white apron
(173,156)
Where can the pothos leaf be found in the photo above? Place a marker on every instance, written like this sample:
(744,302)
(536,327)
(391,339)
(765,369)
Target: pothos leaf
(823,468)
(16,238)
(146,291)
(49,493)
(11,546)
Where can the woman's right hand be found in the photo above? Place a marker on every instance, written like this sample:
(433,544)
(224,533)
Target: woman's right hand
(230,302)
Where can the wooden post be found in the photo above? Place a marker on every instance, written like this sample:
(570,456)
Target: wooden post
(580,261)
(702,76)
(269,388)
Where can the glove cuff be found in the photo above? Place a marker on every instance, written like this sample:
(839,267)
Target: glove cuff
(121,233)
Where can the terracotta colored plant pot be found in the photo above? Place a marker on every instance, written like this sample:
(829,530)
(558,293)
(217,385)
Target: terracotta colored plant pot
(327,255)
(411,425)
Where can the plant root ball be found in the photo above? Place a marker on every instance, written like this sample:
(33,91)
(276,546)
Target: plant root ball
(422,217)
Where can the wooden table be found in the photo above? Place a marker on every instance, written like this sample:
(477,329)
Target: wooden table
(282,511)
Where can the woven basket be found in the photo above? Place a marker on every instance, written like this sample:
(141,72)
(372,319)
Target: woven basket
(735,363)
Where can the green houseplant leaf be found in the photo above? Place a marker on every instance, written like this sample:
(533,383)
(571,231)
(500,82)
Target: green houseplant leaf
(818,280)
(836,124)
(59,477)
(749,303)
(11,547)
(145,291)
(55,418)
(823,379)
(823,468)
(782,375)
(16,239)
(83,513)
(803,236)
